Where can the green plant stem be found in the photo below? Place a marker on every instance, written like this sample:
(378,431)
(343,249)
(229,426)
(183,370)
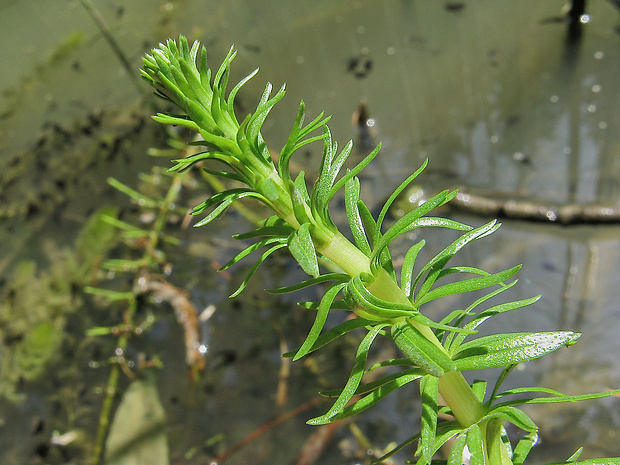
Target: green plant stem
(453,387)
(348,257)
(111,389)
(495,453)
(106,414)
(461,399)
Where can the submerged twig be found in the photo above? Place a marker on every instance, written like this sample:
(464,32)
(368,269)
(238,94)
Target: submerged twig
(532,210)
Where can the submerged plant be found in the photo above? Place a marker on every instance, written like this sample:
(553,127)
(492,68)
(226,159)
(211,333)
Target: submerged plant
(387,303)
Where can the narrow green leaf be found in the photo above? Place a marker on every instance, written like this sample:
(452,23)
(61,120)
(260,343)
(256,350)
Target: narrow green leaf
(272,226)
(258,118)
(445,431)
(302,249)
(576,455)
(224,199)
(420,318)
(287,151)
(310,140)
(337,164)
(456,452)
(354,379)
(268,231)
(370,225)
(495,446)
(413,220)
(142,200)
(377,394)
(500,379)
(436,264)
(417,348)
(204,71)
(310,282)
(316,123)
(523,447)
(296,139)
(334,333)
(401,377)
(336,305)
(225,145)
(225,174)
(233,93)
(454,314)
(502,308)
(468,285)
(371,307)
(352,197)
(248,250)
(207,125)
(184,164)
(506,349)
(528,390)
(319,322)
(558,399)
(330,167)
(601,461)
(260,260)
(110,294)
(396,193)
(429,392)
(221,75)
(475,444)
(391,363)
(354,171)
(463,270)
(195,88)
(406,271)
(513,415)
(480,388)
(396,449)
(301,199)
(452,345)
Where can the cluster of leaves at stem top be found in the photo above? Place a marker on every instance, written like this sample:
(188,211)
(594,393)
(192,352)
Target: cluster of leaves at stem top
(368,284)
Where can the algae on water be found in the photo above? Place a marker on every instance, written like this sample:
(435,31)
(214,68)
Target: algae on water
(35,304)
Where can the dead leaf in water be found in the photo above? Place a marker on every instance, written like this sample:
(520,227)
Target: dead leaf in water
(137,435)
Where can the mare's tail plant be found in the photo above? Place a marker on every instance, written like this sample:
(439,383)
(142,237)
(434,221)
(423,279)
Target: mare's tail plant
(387,304)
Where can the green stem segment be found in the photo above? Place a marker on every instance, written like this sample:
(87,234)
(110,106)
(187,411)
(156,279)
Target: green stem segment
(461,399)
(453,387)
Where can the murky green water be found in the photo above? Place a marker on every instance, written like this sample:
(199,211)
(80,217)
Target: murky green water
(496,95)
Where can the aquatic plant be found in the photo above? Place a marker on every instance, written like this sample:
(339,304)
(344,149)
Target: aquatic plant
(387,304)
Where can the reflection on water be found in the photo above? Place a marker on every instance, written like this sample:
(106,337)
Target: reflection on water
(521,109)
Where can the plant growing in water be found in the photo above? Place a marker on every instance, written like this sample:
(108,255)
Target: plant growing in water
(387,304)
